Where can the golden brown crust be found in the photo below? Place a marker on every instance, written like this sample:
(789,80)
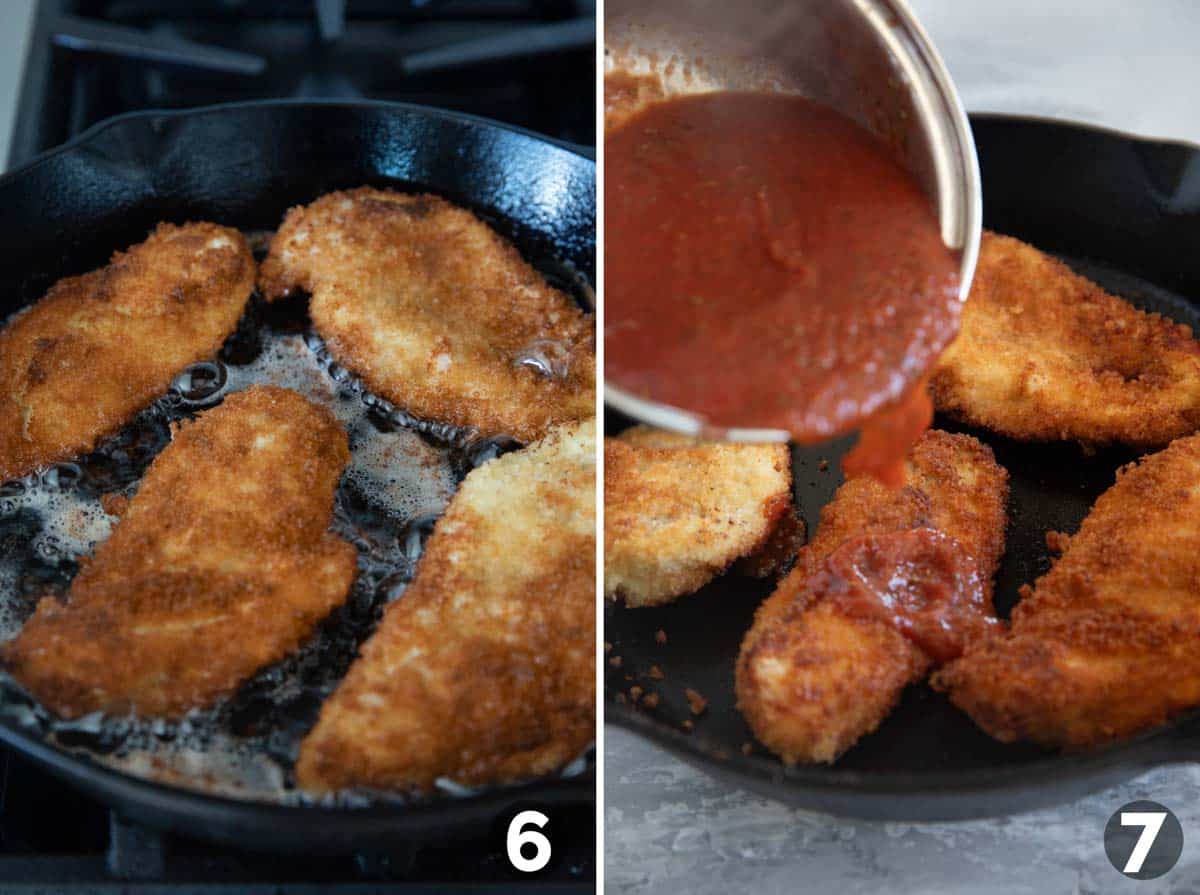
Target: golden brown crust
(779,551)
(812,681)
(78,364)
(1105,643)
(1044,354)
(484,670)
(678,512)
(434,311)
(221,564)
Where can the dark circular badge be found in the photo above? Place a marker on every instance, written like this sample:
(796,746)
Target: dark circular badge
(1143,840)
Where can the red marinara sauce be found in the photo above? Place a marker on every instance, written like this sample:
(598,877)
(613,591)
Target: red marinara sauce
(921,582)
(769,265)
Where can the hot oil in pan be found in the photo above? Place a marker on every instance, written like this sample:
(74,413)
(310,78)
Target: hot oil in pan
(402,474)
(397,484)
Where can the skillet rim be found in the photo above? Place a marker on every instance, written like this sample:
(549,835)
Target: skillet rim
(272,825)
(90,133)
(1173,743)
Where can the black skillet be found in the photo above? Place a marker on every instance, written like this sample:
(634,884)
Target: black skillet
(1123,211)
(244,165)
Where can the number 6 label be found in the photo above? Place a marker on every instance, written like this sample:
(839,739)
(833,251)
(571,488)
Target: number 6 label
(519,835)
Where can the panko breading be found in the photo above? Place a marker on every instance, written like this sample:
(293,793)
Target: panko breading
(1107,643)
(78,364)
(483,671)
(678,512)
(221,564)
(811,680)
(1044,354)
(436,312)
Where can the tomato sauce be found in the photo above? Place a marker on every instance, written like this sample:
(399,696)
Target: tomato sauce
(768,265)
(921,582)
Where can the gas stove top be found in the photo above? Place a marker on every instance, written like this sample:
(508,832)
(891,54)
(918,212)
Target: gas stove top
(525,62)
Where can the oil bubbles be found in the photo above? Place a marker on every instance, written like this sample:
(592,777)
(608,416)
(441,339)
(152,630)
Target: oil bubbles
(201,385)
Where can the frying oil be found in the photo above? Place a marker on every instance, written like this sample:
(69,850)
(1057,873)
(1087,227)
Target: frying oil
(402,474)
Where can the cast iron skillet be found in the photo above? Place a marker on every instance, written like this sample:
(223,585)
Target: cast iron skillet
(243,165)
(1123,211)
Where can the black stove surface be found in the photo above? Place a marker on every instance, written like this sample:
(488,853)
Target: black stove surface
(54,839)
(525,62)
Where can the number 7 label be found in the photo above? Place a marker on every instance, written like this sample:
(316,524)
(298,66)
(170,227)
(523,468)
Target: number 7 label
(1150,822)
(1159,842)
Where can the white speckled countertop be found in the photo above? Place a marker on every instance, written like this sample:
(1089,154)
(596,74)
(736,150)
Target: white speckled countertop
(1128,64)
(669,828)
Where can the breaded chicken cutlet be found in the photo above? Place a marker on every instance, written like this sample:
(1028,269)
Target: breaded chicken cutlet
(221,564)
(812,680)
(484,670)
(436,312)
(1107,643)
(79,363)
(678,512)
(1044,354)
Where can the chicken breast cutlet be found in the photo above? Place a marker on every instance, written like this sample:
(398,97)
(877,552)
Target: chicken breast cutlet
(813,678)
(222,563)
(484,670)
(437,313)
(1044,354)
(1107,643)
(678,512)
(78,364)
